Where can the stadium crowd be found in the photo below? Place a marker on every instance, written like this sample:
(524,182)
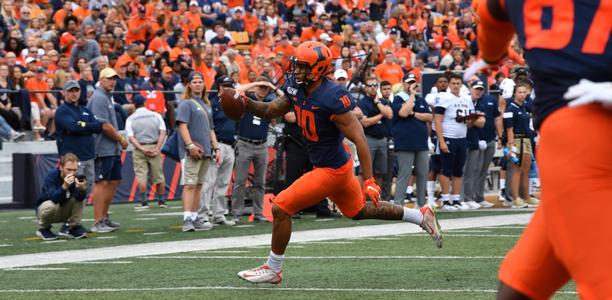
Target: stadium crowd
(381,49)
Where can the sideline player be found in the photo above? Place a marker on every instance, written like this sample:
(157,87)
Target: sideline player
(323,110)
(569,235)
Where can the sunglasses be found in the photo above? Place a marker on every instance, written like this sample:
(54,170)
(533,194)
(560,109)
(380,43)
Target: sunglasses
(372,85)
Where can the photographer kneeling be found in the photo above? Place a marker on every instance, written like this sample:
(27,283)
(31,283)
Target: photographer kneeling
(61,201)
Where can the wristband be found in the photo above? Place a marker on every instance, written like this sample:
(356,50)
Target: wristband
(190,146)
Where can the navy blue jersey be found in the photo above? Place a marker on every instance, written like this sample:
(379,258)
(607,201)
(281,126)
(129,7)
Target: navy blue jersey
(315,115)
(369,109)
(252,127)
(225,128)
(517,117)
(409,134)
(490,107)
(562,47)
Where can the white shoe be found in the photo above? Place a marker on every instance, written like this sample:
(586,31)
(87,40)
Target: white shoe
(448,207)
(507,204)
(15,136)
(261,274)
(431,225)
(486,204)
(460,205)
(472,204)
(501,194)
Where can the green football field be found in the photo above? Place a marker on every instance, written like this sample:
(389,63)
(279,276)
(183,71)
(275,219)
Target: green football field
(340,264)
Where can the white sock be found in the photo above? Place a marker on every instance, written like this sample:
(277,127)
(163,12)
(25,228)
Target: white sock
(409,190)
(502,183)
(431,186)
(413,216)
(455,197)
(186,215)
(194,215)
(275,262)
(445,197)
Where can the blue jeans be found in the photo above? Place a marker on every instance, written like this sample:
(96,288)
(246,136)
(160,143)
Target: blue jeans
(5,129)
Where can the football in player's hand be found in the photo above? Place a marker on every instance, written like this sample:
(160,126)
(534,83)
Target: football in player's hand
(233,104)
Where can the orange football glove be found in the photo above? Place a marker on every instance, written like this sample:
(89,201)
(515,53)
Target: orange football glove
(371,190)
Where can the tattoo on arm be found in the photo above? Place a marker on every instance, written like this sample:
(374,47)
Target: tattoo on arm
(269,110)
(386,211)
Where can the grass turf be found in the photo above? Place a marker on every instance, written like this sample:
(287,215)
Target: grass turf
(18,228)
(465,268)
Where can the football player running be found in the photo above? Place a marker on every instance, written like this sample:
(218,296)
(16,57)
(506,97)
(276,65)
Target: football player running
(566,44)
(323,111)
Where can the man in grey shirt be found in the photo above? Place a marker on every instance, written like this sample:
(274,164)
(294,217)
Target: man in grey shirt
(84,48)
(108,152)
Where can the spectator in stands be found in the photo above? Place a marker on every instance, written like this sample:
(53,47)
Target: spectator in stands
(389,70)
(85,48)
(251,148)
(481,147)
(376,113)
(411,117)
(197,147)
(43,104)
(218,176)
(61,201)
(75,129)
(6,105)
(109,144)
(146,131)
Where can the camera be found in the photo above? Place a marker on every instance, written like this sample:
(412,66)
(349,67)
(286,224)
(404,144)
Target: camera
(80,178)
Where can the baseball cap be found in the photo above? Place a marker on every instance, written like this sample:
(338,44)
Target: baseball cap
(410,78)
(238,9)
(340,73)
(192,3)
(393,31)
(149,53)
(40,70)
(30,60)
(108,73)
(224,81)
(71,84)
(412,27)
(138,100)
(325,37)
(478,84)
(167,69)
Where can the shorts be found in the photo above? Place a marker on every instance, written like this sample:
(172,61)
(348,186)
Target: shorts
(145,166)
(453,161)
(378,153)
(193,171)
(339,185)
(526,144)
(569,235)
(108,168)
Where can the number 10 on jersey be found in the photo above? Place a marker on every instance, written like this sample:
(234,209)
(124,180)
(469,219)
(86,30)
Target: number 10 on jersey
(306,121)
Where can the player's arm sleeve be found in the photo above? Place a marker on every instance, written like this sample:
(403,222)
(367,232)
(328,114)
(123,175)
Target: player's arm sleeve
(340,103)
(495,30)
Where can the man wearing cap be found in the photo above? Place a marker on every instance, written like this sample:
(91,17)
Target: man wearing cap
(376,112)
(108,152)
(341,77)
(75,128)
(237,22)
(139,26)
(389,43)
(481,146)
(84,48)
(194,15)
(219,175)
(146,131)
(325,39)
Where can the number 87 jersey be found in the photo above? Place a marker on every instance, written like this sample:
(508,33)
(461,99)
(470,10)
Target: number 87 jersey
(315,115)
(564,41)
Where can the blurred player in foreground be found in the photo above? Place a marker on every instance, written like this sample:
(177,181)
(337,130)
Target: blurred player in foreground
(323,111)
(567,45)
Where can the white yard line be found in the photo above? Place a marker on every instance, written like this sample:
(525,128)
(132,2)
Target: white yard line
(117,262)
(36,269)
(322,257)
(254,288)
(154,233)
(160,248)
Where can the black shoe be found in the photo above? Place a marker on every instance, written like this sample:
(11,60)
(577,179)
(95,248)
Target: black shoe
(162,204)
(75,232)
(410,196)
(328,215)
(46,234)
